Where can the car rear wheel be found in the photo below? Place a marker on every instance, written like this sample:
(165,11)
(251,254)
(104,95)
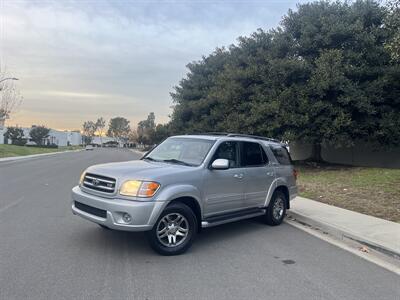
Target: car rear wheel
(276,210)
(174,230)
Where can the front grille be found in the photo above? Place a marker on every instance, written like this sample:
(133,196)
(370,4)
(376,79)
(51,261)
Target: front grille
(91,210)
(99,183)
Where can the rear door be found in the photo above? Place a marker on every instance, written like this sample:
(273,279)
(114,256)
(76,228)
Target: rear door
(258,174)
(223,189)
(284,167)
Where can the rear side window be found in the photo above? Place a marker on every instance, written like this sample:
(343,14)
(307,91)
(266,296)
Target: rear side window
(281,155)
(252,155)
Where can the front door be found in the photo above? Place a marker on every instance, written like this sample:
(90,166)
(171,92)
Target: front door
(223,189)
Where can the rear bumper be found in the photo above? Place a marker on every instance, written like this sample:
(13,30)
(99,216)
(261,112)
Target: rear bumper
(143,214)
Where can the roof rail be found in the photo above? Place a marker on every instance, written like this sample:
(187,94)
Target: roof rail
(240,135)
(213,133)
(257,137)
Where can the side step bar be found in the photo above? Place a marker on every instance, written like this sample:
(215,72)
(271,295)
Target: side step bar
(232,217)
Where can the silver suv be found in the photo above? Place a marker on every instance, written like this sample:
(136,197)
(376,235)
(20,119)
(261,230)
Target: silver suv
(187,183)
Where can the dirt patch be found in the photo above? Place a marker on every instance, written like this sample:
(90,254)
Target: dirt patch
(371,191)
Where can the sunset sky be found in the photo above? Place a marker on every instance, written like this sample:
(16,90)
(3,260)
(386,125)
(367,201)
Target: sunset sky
(80,60)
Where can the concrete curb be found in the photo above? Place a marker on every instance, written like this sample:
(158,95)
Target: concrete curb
(341,233)
(14,158)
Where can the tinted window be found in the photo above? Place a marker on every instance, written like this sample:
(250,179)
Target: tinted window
(281,155)
(252,155)
(228,150)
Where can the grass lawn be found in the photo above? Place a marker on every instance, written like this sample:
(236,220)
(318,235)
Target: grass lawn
(371,191)
(13,150)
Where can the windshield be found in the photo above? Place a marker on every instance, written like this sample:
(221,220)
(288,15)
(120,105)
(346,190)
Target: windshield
(184,151)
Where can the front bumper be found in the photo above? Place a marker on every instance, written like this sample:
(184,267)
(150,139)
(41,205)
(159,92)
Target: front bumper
(143,214)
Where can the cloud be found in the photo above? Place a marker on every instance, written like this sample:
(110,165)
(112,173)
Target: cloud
(74,95)
(123,56)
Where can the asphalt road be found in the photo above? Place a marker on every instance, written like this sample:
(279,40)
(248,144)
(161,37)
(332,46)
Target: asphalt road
(47,253)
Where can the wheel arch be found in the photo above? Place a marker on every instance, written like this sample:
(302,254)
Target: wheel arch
(194,206)
(284,189)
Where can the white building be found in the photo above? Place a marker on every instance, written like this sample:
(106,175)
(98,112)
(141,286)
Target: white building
(60,138)
(75,138)
(2,132)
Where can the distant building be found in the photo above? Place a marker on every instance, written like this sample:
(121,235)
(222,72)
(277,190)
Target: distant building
(59,138)
(2,132)
(75,138)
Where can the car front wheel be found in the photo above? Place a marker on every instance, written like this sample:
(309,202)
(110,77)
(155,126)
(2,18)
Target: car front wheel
(174,230)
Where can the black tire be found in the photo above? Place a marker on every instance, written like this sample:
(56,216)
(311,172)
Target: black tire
(190,222)
(104,227)
(272,218)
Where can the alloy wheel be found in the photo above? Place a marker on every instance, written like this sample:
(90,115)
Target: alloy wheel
(172,230)
(278,208)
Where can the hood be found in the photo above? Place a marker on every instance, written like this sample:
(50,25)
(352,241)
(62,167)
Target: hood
(137,169)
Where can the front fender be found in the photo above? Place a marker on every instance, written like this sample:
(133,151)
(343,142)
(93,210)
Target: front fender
(173,192)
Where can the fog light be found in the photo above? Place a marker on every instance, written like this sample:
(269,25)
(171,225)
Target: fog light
(127,218)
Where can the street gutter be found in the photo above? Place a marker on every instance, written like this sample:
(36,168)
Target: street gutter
(378,234)
(14,158)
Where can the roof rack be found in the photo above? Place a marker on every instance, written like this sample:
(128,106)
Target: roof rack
(214,133)
(240,135)
(257,137)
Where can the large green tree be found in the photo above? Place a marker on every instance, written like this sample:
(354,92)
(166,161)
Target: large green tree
(161,132)
(323,77)
(352,91)
(392,23)
(193,100)
(38,134)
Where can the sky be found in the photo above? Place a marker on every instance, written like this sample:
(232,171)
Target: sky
(81,60)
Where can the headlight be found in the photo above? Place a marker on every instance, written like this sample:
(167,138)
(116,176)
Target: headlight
(82,177)
(138,188)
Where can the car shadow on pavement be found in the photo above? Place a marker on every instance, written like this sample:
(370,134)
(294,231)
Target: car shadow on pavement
(112,240)
(118,242)
(230,232)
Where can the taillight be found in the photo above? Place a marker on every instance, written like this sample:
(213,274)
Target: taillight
(295,173)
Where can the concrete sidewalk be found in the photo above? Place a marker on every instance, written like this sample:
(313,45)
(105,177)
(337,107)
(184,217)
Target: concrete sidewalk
(376,233)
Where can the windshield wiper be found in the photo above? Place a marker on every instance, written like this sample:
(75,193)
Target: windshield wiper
(150,158)
(176,161)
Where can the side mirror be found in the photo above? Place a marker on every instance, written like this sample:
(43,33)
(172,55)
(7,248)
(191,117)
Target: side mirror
(220,164)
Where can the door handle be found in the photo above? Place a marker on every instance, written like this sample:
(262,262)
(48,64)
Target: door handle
(238,176)
(270,173)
